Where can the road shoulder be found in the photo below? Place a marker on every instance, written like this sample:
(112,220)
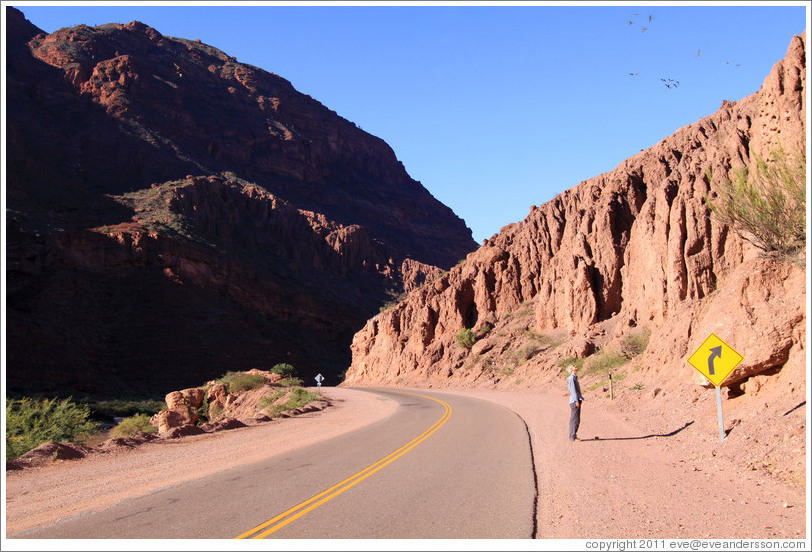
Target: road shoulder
(622,481)
(40,496)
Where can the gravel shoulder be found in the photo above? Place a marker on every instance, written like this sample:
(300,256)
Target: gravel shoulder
(623,480)
(628,478)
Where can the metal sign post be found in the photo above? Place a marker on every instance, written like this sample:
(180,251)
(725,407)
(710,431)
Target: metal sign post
(719,412)
(715,360)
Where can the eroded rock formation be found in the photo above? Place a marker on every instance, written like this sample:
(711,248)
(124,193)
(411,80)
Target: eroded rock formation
(632,249)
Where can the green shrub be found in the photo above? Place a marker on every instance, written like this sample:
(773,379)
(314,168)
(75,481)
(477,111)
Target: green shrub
(203,410)
(294,397)
(466,338)
(241,381)
(604,362)
(283,369)
(112,408)
(31,422)
(290,382)
(767,206)
(635,343)
(300,396)
(132,425)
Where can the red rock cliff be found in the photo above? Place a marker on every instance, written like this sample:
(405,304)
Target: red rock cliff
(632,248)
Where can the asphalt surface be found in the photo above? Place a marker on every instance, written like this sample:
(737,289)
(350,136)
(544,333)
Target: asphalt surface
(441,467)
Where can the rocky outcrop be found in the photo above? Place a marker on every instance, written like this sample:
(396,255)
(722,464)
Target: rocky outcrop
(174,214)
(181,410)
(224,408)
(632,248)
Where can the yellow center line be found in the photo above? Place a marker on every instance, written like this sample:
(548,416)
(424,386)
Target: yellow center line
(311,504)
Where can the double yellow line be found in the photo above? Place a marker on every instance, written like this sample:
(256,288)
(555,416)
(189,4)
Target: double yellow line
(283,519)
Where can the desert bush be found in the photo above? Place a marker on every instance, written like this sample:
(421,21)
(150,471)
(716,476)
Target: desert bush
(300,396)
(133,424)
(635,343)
(291,382)
(466,338)
(203,414)
(766,206)
(604,362)
(240,381)
(283,369)
(294,397)
(31,422)
(111,408)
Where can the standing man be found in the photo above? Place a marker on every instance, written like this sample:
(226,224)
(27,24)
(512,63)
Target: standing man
(575,401)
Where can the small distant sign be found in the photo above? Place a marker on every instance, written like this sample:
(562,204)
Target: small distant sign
(319,379)
(715,359)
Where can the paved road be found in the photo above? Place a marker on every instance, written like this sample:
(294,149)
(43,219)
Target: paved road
(442,466)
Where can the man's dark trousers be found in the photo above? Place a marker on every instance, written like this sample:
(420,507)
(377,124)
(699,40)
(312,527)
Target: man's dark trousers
(575,419)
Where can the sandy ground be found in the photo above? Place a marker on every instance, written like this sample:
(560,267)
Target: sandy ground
(625,481)
(620,481)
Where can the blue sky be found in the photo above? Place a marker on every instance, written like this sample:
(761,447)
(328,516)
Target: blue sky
(494,108)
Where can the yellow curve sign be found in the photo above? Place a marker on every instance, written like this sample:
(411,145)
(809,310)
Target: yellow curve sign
(715,359)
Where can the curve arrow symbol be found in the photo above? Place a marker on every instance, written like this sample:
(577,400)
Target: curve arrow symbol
(716,352)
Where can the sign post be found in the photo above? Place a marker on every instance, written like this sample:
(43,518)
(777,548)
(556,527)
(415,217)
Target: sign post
(715,360)
(319,379)
(719,413)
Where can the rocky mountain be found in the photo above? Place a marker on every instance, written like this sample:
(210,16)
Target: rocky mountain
(173,214)
(627,273)
(631,248)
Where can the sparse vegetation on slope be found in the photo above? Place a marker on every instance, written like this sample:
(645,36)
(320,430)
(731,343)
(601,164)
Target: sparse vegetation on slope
(287,398)
(466,338)
(766,206)
(241,381)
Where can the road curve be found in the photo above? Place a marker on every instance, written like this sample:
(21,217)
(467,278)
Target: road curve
(441,467)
